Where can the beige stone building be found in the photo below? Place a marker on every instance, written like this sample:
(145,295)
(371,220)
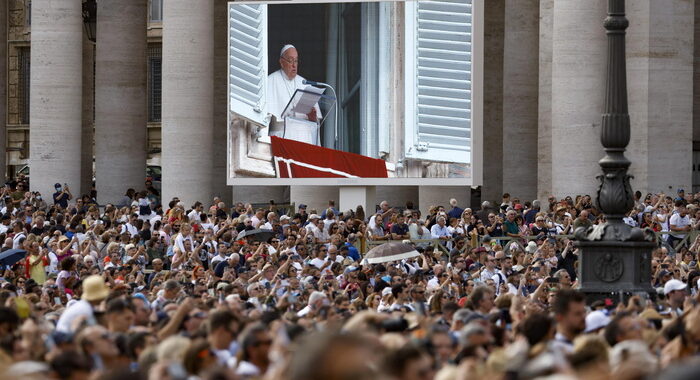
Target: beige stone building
(153,87)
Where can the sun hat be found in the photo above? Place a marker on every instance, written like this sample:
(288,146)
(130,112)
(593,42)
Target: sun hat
(94,288)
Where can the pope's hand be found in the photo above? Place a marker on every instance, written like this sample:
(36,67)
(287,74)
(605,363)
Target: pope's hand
(312,115)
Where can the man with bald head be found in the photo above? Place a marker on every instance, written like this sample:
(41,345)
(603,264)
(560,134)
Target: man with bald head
(281,86)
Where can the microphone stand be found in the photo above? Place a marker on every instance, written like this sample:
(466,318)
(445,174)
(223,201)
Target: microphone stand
(335,106)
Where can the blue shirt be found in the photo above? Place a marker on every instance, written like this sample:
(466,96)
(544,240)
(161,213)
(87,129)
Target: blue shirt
(436,231)
(353,252)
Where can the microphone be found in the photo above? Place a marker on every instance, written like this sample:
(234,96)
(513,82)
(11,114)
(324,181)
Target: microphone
(312,83)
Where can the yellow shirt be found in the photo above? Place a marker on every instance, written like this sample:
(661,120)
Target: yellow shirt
(36,271)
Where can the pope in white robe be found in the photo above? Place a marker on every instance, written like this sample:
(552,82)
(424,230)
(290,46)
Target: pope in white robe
(280,88)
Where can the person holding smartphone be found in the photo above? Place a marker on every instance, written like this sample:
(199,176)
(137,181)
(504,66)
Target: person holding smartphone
(62,195)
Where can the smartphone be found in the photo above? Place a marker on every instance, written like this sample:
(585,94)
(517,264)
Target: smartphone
(553,280)
(664,266)
(536,269)
(211,293)
(329,277)
(57,300)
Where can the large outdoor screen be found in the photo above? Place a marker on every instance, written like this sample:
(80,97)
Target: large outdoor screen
(360,90)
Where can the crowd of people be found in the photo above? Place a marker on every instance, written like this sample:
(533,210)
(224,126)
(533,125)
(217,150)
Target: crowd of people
(144,290)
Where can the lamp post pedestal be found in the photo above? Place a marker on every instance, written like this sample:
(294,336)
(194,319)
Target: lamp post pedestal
(614,257)
(611,267)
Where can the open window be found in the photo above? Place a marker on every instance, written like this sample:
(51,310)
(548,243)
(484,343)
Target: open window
(438,80)
(248,61)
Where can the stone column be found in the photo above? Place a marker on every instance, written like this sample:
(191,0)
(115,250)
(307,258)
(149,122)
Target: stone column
(220,105)
(578,82)
(520,87)
(188,103)
(88,131)
(315,197)
(696,80)
(3,89)
(670,105)
(660,46)
(397,196)
(56,94)
(120,92)
(353,196)
(544,101)
(492,188)
(441,195)
(260,194)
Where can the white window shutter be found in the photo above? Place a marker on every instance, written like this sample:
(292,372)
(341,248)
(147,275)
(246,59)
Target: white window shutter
(438,80)
(248,61)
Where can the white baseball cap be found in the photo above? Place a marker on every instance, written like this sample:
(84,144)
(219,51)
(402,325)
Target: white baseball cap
(596,320)
(672,285)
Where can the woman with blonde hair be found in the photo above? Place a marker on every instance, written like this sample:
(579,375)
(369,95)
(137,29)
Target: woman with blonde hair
(373,300)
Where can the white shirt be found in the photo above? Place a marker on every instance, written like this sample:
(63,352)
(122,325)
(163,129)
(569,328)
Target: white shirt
(180,242)
(319,234)
(53,263)
(194,215)
(318,263)
(16,239)
(217,259)
(78,309)
(131,229)
(433,283)
(487,274)
(630,221)
(304,311)
(680,222)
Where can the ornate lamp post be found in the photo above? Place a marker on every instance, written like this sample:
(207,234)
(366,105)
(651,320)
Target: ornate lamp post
(615,258)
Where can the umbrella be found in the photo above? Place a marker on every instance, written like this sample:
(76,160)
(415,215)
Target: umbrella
(257,234)
(11,256)
(393,251)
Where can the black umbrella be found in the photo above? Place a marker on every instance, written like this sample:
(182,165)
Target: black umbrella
(257,234)
(12,256)
(393,251)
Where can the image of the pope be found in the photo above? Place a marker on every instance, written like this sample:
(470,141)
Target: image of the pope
(281,86)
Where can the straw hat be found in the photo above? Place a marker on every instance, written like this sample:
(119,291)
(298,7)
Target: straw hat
(94,288)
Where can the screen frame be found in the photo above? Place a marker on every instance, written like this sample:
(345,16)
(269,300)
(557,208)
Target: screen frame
(477,148)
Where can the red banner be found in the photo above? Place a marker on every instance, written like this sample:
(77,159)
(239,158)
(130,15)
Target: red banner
(294,159)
